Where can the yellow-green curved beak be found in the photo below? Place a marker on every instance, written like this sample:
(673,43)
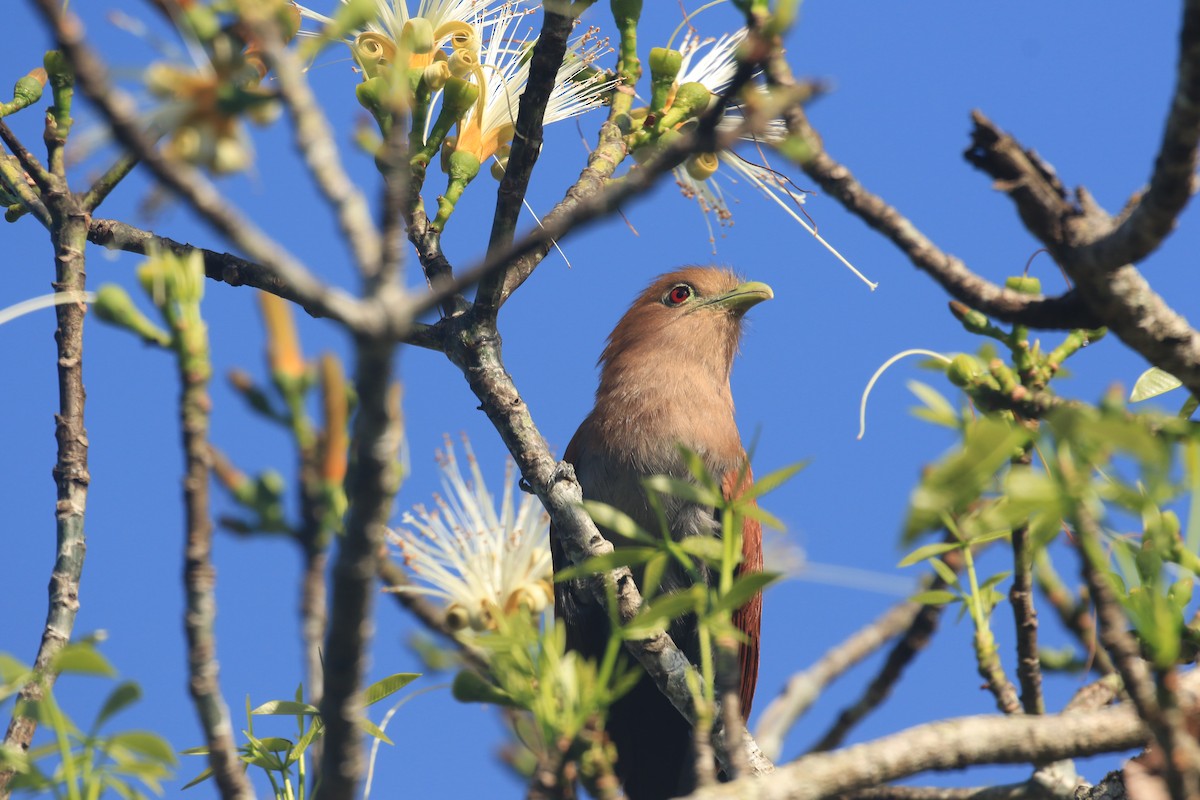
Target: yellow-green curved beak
(740,298)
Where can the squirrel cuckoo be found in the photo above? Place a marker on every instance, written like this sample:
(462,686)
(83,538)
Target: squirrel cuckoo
(664,381)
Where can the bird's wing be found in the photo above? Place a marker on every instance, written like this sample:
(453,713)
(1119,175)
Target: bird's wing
(748,618)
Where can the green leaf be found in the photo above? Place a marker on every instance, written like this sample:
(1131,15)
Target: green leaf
(685,490)
(284,708)
(616,521)
(202,750)
(652,575)
(82,659)
(145,743)
(757,512)
(655,619)
(994,580)
(388,686)
(772,481)
(705,548)
(745,587)
(943,571)
(374,730)
(1152,383)
(922,553)
(597,565)
(125,694)
(934,597)
(937,409)
(201,778)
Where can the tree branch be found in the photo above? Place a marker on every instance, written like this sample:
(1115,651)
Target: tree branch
(227,268)
(803,146)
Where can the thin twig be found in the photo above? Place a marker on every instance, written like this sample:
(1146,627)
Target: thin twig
(547,57)
(224,267)
(803,688)
(199,575)
(13,177)
(44,180)
(108,181)
(315,141)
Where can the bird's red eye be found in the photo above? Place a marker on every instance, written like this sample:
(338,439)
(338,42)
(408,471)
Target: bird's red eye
(679,295)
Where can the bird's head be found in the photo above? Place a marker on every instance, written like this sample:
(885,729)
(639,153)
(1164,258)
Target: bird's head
(689,319)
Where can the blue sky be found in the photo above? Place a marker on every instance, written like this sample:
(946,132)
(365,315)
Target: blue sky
(1087,87)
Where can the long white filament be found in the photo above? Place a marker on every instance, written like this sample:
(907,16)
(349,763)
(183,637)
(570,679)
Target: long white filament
(44,301)
(862,407)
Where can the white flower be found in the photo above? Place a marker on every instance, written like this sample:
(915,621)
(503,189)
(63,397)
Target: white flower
(481,562)
(504,72)
(714,69)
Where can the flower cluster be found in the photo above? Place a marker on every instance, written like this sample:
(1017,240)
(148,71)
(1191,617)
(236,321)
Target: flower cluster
(484,564)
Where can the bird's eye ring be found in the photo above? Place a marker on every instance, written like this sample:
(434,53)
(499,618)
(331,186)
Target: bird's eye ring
(679,294)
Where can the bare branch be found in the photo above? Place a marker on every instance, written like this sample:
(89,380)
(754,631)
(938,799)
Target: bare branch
(226,268)
(1020,596)
(803,688)
(71,475)
(44,180)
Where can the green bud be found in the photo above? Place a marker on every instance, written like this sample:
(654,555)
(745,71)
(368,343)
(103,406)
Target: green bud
(114,306)
(665,63)
(464,166)
(58,69)
(271,484)
(202,20)
(963,370)
(28,89)
(1023,284)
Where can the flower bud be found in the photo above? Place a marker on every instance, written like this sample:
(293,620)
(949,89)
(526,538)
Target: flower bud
(28,89)
(417,36)
(436,74)
(229,155)
(373,51)
(702,166)
(458,97)
(964,369)
(463,63)
(665,63)
(114,306)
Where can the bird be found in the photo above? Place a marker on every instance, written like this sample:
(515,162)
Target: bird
(664,382)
